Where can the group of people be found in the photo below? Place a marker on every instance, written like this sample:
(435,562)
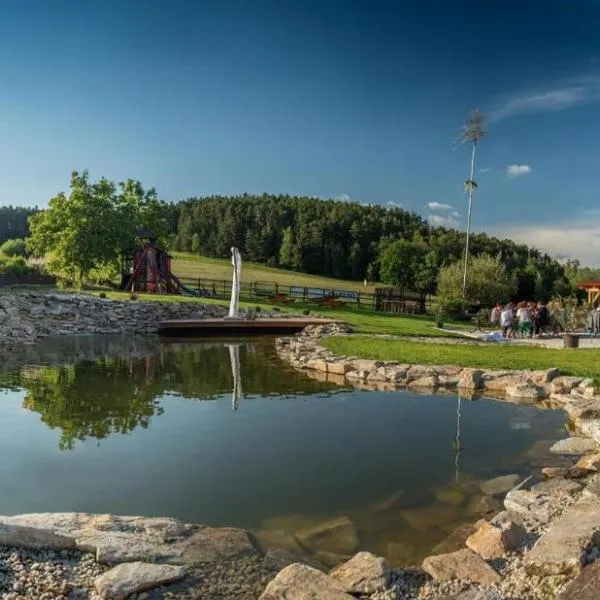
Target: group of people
(525,319)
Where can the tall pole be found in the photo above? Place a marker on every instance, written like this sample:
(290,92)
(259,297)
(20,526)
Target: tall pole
(472,132)
(470,186)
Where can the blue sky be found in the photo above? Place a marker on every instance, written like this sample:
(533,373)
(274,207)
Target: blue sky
(335,98)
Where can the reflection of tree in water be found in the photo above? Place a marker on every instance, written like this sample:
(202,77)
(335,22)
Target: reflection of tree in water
(116,395)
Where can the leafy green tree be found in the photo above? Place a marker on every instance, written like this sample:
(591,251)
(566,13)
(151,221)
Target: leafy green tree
(399,263)
(14,248)
(487,282)
(83,233)
(195,243)
(286,251)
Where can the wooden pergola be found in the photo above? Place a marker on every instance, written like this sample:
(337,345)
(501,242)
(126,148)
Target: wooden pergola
(593,290)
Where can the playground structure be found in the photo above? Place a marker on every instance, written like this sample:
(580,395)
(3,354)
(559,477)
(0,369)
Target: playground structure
(147,269)
(593,291)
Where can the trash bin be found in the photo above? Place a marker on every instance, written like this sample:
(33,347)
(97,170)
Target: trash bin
(571,340)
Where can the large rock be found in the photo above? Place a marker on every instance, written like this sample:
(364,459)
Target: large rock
(299,582)
(491,541)
(365,573)
(19,536)
(591,429)
(586,586)
(433,515)
(276,539)
(526,390)
(463,565)
(562,548)
(212,544)
(530,505)
(338,535)
(456,540)
(471,379)
(129,578)
(574,446)
(499,485)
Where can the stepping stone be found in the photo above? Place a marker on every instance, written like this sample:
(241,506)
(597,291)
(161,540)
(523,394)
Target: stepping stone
(463,565)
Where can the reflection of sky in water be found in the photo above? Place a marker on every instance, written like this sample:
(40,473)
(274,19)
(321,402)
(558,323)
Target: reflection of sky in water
(311,453)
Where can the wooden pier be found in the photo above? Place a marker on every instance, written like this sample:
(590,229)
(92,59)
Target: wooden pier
(237,327)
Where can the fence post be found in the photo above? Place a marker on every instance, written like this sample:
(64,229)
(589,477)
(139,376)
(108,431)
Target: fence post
(304,294)
(358,300)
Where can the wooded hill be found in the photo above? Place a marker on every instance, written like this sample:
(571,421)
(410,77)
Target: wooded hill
(349,240)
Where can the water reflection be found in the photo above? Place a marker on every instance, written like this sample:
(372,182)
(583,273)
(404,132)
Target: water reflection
(114,386)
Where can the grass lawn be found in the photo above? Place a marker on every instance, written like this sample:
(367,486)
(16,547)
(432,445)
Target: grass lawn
(584,362)
(192,266)
(362,320)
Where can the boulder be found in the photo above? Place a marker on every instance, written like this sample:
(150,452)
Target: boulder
(330,559)
(452,496)
(130,578)
(499,485)
(574,446)
(471,379)
(499,384)
(530,505)
(276,539)
(456,540)
(561,549)
(586,586)
(365,573)
(429,381)
(338,367)
(19,536)
(584,408)
(563,384)
(212,544)
(317,364)
(299,582)
(338,535)
(463,565)
(491,541)
(526,390)
(557,487)
(591,429)
(545,376)
(592,490)
(551,472)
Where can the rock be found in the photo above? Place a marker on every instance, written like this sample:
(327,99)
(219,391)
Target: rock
(556,487)
(130,578)
(279,558)
(591,429)
(19,536)
(451,496)
(456,540)
(338,535)
(276,539)
(590,462)
(491,541)
(561,549)
(475,594)
(471,379)
(530,505)
(430,381)
(393,502)
(212,544)
(434,515)
(546,376)
(463,565)
(317,364)
(592,490)
(563,384)
(525,390)
(338,367)
(574,446)
(499,485)
(586,586)
(551,472)
(365,573)
(480,505)
(583,409)
(299,582)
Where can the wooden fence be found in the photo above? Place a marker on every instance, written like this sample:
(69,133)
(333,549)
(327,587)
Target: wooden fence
(383,299)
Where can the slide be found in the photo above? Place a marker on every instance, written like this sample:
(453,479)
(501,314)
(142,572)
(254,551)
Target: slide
(176,286)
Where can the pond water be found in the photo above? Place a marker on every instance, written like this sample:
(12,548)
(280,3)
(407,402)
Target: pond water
(140,427)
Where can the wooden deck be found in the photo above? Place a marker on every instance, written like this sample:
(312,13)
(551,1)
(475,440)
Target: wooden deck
(226,327)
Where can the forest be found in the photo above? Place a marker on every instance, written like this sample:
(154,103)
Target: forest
(351,241)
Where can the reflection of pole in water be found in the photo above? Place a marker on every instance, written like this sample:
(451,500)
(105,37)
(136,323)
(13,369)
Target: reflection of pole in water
(457,444)
(234,356)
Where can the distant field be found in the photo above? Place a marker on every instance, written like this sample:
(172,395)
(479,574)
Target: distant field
(191,266)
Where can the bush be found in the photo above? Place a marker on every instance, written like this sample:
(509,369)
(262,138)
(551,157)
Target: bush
(102,295)
(487,282)
(257,309)
(306,312)
(14,266)
(14,248)
(133,296)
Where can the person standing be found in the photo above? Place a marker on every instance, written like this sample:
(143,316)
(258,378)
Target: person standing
(507,321)
(495,315)
(524,325)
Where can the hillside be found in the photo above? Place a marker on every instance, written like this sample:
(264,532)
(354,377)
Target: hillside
(191,266)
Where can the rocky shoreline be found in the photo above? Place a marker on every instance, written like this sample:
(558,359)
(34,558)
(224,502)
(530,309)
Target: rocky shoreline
(542,545)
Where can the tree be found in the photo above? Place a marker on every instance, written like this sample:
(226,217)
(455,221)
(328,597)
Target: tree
(84,233)
(286,251)
(195,243)
(488,282)
(400,263)
(13,248)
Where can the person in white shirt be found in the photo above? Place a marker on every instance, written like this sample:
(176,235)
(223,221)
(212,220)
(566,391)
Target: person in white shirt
(524,322)
(507,321)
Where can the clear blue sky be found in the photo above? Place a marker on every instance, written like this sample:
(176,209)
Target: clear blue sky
(351,98)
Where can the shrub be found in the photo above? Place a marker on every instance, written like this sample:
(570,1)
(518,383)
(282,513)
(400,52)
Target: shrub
(257,309)
(102,295)
(13,248)
(133,296)
(306,312)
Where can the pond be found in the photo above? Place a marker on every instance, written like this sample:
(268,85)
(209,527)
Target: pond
(224,433)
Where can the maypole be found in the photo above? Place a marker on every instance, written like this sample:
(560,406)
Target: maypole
(472,132)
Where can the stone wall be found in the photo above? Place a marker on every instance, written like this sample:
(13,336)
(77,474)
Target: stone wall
(26,318)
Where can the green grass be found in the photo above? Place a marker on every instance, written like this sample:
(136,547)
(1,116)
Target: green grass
(360,319)
(584,362)
(192,266)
